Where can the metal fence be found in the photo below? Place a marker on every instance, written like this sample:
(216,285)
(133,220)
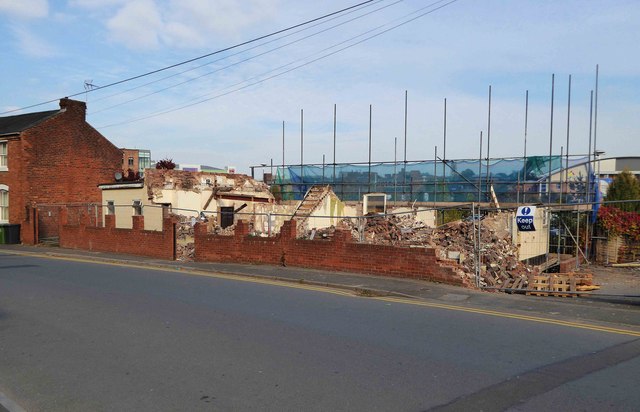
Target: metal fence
(562,232)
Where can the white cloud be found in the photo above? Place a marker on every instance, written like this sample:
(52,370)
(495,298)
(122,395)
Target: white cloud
(149,24)
(25,8)
(454,53)
(137,25)
(221,17)
(96,4)
(30,44)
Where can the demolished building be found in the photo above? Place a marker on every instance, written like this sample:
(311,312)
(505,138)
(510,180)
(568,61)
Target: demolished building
(218,197)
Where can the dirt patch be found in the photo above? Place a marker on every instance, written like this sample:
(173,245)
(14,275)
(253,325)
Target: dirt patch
(615,281)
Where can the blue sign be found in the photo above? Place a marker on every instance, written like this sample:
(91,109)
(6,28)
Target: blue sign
(524,218)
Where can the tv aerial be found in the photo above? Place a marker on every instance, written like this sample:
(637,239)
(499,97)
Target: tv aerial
(89,86)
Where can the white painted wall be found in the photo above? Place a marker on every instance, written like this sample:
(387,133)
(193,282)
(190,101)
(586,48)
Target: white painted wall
(532,244)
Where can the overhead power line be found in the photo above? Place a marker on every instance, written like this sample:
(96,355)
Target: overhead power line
(275,33)
(198,100)
(245,51)
(118,105)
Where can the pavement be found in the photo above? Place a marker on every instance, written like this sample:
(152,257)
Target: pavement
(620,308)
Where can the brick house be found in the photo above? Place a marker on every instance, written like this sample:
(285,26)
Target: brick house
(51,158)
(135,160)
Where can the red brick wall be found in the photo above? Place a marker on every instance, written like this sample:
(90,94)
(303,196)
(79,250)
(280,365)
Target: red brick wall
(340,254)
(29,227)
(136,241)
(568,263)
(60,160)
(66,158)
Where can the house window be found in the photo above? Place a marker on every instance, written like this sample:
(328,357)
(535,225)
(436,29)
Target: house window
(3,155)
(226,216)
(137,207)
(111,207)
(130,162)
(4,204)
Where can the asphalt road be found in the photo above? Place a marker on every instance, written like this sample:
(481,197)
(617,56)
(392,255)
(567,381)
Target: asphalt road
(91,337)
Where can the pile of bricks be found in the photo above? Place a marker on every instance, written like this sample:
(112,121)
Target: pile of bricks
(499,263)
(216,229)
(185,247)
(454,241)
(397,230)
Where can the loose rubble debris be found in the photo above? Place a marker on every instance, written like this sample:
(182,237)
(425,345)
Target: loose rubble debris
(185,246)
(500,266)
(227,231)
(156,180)
(453,241)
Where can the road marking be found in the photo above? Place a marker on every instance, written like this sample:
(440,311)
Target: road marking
(196,272)
(510,315)
(347,293)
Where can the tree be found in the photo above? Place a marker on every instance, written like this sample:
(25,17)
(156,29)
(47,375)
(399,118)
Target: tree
(165,164)
(625,186)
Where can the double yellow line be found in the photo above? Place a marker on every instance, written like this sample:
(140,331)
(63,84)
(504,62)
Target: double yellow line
(344,292)
(528,318)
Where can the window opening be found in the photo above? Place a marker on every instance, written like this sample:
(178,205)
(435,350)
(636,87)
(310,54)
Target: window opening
(226,216)
(4,205)
(137,207)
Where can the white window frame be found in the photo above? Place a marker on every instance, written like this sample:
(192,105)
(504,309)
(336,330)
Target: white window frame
(4,208)
(4,158)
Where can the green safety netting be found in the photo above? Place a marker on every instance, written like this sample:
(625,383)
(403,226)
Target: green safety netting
(451,180)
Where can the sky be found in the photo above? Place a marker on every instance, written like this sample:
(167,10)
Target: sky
(228,109)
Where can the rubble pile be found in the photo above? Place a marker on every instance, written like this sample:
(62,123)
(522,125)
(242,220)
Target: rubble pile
(185,246)
(396,230)
(218,230)
(157,180)
(499,257)
(320,234)
(186,252)
(453,241)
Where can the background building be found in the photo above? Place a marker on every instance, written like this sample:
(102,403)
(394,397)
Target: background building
(136,160)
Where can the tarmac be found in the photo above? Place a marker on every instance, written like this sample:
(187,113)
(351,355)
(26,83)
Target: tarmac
(621,308)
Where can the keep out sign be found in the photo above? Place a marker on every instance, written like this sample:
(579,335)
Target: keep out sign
(524,218)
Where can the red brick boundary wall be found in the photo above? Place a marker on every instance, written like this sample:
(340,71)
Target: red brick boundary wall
(29,227)
(340,253)
(135,241)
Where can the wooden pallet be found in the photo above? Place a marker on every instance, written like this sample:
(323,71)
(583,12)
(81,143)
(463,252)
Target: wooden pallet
(552,285)
(563,283)
(539,285)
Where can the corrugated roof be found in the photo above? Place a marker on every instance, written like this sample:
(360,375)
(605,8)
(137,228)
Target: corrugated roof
(18,123)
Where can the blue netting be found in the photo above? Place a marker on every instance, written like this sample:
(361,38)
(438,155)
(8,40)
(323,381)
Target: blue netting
(453,180)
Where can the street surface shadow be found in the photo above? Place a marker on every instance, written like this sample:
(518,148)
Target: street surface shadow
(18,266)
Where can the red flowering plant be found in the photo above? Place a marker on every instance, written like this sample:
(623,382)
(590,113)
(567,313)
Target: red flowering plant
(619,222)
